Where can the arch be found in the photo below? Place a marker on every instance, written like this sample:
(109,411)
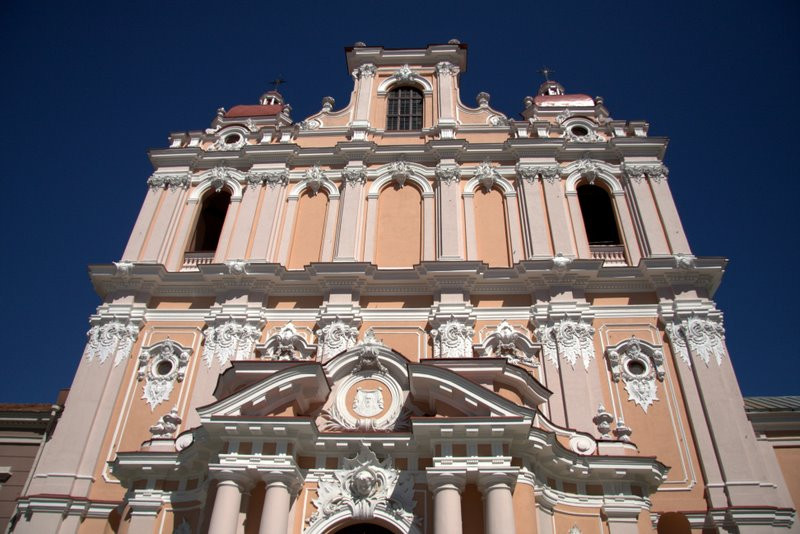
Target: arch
(491,228)
(210,221)
(344,519)
(399,221)
(364,528)
(308,231)
(602,173)
(505,186)
(599,215)
(413,80)
(304,185)
(219,178)
(416,176)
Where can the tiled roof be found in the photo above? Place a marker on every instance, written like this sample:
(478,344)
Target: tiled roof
(254,111)
(787,403)
(29,407)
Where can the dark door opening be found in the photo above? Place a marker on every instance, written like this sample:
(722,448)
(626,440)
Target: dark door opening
(363,528)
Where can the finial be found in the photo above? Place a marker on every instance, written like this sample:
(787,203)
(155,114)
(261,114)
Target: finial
(546,72)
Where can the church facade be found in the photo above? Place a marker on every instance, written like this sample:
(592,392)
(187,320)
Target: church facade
(408,315)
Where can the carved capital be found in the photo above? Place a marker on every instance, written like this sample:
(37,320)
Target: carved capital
(448,174)
(170,181)
(530,172)
(354,175)
(445,68)
(271,178)
(367,70)
(638,172)
(568,338)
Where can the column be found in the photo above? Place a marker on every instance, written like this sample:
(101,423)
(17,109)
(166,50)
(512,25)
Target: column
(143,516)
(498,501)
(351,208)
(578,228)
(277,501)
(669,215)
(557,217)
(139,232)
(157,236)
(534,222)
(231,217)
(514,229)
(622,518)
(288,229)
(225,515)
(656,242)
(446,488)
(240,236)
(450,229)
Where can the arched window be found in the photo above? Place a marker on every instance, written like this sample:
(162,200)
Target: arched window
(598,215)
(404,109)
(210,222)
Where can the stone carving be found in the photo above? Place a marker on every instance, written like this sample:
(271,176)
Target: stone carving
(237,267)
(400,171)
(638,365)
(368,402)
(354,175)
(327,103)
(170,181)
(483,99)
(701,337)
(568,338)
(166,426)
(367,70)
(310,124)
(219,176)
(271,178)
(114,337)
(448,174)
(574,530)
(229,341)
(655,171)
(368,355)
(590,136)
(452,339)
(486,175)
(529,172)
(561,263)
(684,261)
(363,487)
(222,143)
(161,366)
(507,342)
(287,344)
(499,120)
(334,338)
(445,68)
(314,177)
(622,432)
(123,268)
(404,73)
(588,169)
(603,420)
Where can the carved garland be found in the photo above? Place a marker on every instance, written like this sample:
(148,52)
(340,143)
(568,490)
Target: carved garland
(701,337)
(571,339)
(334,338)
(229,341)
(452,340)
(114,337)
(507,342)
(287,344)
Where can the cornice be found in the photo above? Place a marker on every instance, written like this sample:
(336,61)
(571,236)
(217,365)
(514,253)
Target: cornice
(666,274)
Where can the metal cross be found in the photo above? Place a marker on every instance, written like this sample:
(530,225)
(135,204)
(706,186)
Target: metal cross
(546,72)
(276,82)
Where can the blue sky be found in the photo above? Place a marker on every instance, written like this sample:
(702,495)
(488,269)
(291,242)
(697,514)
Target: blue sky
(87,89)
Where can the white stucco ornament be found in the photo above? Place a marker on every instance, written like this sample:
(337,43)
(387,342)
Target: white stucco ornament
(229,341)
(287,344)
(364,489)
(508,342)
(334,338)
(166,425)
(368,402)
(639,366)
(114,337)
(161,366)
(701,337)
(453,339)
(569,339)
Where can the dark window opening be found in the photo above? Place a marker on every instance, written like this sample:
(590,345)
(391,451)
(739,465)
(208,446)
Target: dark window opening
(598,215)
(404,110)
(209,224)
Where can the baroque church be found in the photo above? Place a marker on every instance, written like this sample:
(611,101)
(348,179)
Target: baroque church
(409,315)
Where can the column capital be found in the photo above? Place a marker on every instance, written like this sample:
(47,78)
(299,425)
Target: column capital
(289,478)
(240,479)
(439,478)
(502,478)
